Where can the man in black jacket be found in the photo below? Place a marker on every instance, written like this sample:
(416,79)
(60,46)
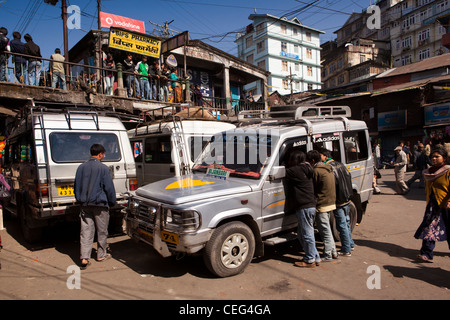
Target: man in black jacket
(344,192)
(34,64)
(4,48)
(20,63)
(300,184)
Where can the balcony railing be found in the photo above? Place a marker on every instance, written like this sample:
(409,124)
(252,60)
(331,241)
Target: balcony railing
(96,80)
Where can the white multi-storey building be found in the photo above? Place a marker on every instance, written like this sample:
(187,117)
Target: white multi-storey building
(287,49)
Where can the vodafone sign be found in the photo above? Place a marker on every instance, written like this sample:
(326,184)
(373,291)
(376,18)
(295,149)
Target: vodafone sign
(111,20)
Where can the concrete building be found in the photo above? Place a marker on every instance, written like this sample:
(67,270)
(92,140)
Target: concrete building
(415,31)
(289,50)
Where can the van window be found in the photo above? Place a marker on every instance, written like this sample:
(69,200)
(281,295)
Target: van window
(76,146)
(158,150)
(330,141)
(355,144)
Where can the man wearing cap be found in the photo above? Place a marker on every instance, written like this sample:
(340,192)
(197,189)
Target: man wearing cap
(400,164)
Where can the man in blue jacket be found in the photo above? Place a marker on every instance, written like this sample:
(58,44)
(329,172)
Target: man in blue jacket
(94,191)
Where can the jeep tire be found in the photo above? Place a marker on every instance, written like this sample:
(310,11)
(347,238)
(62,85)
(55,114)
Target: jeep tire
(230,249)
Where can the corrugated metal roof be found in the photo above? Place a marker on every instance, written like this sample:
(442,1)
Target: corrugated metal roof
(424,65)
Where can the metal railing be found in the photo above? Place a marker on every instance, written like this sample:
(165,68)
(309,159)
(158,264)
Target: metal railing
(100,80)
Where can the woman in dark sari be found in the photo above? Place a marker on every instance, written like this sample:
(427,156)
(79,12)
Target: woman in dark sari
(434,226)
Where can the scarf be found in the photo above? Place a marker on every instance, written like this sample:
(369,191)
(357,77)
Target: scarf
(433,173)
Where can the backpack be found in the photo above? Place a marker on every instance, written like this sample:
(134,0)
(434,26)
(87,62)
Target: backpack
(343,180)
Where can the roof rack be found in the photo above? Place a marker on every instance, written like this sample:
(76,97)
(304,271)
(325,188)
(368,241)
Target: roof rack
(299,114)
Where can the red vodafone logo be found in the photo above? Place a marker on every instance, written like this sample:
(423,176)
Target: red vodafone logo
(111,20)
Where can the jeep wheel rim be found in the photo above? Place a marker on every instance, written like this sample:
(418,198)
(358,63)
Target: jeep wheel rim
(234,250)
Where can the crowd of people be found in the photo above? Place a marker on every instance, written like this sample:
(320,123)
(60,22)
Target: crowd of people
(431,164)
(320,187)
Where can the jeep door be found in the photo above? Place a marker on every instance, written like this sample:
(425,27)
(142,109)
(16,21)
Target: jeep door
(277,210)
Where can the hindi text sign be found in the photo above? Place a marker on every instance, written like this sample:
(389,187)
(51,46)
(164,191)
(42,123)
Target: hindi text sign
(134,42)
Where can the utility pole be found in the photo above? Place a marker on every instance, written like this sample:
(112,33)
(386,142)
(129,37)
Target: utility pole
(66,37)
(98,59)
(165,28)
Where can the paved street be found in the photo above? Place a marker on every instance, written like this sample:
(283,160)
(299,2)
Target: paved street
(384,241)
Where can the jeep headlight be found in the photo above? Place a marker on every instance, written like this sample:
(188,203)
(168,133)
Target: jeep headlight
(186,220)
(133,207)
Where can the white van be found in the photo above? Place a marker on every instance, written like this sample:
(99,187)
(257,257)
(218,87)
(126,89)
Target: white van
(42,155)
(159,150)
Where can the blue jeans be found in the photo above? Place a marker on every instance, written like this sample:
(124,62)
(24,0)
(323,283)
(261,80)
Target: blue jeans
(34,73)
(342,217)
(323,224)
(21,71)
(144,88)
(306,234)
(60,78)
(3,63)
(132,83)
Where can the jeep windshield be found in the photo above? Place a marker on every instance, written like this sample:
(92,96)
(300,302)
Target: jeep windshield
(243,154)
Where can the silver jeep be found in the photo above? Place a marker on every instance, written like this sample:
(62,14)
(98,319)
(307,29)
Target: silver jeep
(234,200)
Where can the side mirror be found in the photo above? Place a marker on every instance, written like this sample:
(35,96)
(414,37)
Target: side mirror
(277,172)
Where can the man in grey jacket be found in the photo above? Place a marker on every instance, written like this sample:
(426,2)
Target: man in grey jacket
(94,191)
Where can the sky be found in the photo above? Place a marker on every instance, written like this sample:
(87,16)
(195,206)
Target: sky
(212,21)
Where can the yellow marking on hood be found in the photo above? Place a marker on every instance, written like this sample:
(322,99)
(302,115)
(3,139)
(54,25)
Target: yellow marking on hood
(186,183)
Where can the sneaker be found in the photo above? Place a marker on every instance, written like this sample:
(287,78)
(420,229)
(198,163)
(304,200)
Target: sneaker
(345,254)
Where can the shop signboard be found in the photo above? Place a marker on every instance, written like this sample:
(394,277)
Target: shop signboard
(392,120)
(134,42)
(437,114)
(109,20)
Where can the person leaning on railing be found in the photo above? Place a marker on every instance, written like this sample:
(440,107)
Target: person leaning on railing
(4,48)
(34,64)
(57,72)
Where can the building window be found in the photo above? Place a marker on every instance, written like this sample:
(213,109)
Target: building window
(284,66)
(262,64)
(308,54)
(283,47)
(406,60)
(424,54)
(310,86)
(407,42)
(424,34)
(294,32)
(297,67)
(259,28)
(295,48)
(309,71)
(260,46)
(283,29)
(285,84)
(249,42)
(362,58)
(308,36)
(250,58)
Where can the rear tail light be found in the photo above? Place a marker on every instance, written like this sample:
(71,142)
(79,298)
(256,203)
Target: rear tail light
(133,184)
(43,191)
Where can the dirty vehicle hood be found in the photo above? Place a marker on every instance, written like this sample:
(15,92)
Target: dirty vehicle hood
(193,187)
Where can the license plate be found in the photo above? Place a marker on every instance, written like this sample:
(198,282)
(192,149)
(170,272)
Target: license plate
(66,190)
(145,235)
(169,237)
